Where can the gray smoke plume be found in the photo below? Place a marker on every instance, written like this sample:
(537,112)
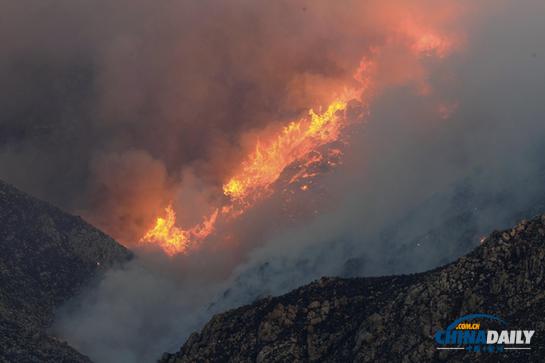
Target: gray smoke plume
(115,109)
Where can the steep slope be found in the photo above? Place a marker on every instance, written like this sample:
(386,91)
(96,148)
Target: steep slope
(389,319)
(46,257)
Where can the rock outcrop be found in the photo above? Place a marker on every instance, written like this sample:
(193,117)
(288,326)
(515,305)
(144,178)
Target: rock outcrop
(388,319)
(46,257)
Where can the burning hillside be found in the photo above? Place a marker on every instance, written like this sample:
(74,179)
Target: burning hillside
(258,173)
(243,148)
(185,124)
(299,142)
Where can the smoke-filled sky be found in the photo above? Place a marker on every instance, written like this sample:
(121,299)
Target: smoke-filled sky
(114,109)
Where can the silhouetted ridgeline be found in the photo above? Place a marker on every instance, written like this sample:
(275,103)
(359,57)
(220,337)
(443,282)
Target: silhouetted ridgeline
(389,319)
(46,256)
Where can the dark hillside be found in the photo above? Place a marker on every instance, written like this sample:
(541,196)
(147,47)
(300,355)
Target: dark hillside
(389,319)
(46,257)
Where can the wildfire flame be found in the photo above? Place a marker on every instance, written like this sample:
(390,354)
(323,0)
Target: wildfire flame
(272,154)
(174,240)
(266,163)
(171,238)
(261,169)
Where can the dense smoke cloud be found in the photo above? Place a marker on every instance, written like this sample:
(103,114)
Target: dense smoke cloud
(182,82)
(115,109)
(418,190)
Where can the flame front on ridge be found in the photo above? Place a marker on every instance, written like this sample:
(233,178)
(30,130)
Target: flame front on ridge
(258,172)
(273,153)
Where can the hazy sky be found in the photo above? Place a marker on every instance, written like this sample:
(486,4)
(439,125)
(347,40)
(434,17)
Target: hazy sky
(113,109)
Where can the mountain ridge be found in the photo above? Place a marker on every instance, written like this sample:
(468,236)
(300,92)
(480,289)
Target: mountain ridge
(47,257)
(390,318)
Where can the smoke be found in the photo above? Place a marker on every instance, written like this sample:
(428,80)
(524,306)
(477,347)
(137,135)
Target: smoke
(134,314)
(115,110)
(418,187)
(146,191)
(185,83)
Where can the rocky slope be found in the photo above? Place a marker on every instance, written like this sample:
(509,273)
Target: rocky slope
(388,319)
(46,257)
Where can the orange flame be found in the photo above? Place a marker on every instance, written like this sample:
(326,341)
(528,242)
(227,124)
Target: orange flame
(174,240)
(263,167)
(266,163)
(171,238)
